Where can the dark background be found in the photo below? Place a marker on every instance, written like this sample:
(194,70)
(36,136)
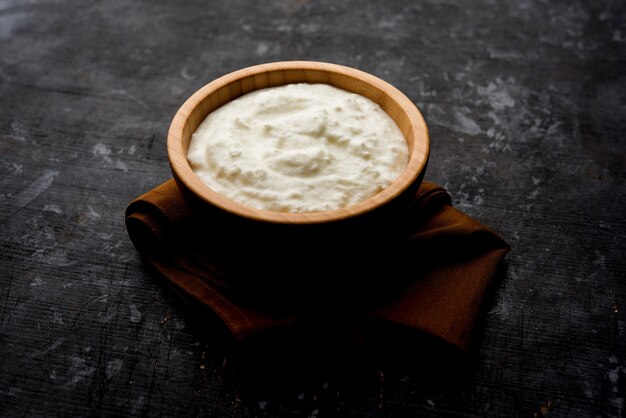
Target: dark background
(526,105)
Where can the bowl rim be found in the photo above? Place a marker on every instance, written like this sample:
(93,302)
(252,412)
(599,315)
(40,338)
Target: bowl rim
(182,171)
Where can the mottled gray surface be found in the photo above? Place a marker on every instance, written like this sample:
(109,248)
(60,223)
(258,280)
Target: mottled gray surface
(526,104)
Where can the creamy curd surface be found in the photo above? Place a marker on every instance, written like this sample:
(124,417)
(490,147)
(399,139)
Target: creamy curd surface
(298,148)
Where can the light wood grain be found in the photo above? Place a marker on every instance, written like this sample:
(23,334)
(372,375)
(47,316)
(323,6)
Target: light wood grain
(229,87)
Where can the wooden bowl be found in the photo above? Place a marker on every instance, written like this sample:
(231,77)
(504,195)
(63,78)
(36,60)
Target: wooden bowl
(233,85)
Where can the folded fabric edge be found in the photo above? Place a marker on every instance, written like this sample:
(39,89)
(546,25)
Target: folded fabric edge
(241,322)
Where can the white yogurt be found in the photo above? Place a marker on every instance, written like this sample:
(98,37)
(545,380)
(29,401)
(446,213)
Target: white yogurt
(298,148)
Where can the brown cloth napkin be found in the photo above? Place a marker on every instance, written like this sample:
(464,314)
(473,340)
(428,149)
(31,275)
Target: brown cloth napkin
(430,276)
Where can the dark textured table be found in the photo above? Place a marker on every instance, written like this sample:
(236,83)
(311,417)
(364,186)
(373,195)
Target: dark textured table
(526,104)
